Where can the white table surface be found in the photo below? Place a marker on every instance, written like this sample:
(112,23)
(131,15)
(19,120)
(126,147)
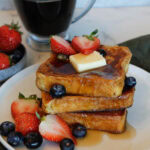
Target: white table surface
(120,24)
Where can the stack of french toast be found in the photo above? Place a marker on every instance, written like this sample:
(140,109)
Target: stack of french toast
(97,98)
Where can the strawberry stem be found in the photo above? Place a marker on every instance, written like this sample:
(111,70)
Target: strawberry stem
(38,116)
(32,96)
(43,118)
(92,35)
(94,32)
(21,96)
(14,26)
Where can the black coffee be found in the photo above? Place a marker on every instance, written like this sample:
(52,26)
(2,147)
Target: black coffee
(46,17)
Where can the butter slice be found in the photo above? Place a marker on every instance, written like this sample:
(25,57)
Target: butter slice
(83,62)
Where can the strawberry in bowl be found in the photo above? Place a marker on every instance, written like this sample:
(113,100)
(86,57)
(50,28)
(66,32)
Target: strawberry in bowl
(12,52)
(10,37)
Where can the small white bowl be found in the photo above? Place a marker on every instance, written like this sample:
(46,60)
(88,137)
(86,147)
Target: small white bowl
(8,72)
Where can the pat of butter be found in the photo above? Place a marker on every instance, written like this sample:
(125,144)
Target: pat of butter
(83,62)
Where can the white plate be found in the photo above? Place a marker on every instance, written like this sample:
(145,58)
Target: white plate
(136,137)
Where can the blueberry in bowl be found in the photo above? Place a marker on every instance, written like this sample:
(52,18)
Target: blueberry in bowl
(12,62)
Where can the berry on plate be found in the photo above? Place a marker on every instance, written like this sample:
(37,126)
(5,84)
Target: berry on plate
(15,138)
(6,127)
(59,45)
(53,128)
(4,61)
(24,105)
(66,144)
(130,82)
(79,131)
(33,140)
(10,37)
(26,123)
(86,44)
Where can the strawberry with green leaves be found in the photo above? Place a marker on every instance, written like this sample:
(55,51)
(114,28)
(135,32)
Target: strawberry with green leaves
(24,104)
(10,37)
(86,44)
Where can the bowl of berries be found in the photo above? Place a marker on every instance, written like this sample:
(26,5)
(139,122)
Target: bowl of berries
(12,52)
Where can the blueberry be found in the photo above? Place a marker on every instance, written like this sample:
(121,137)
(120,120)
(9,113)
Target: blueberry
(15,138)
(79,130)
(66,144)
(130,82)
(57,91)
(33,140)
(102,52)
(6,127)
(18,54)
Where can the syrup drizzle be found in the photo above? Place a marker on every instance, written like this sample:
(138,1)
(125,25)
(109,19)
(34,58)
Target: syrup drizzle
(65,68)
(96,137)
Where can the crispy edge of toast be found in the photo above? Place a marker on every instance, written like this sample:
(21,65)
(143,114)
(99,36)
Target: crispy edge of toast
(93,86)
(113,122)
(81,103)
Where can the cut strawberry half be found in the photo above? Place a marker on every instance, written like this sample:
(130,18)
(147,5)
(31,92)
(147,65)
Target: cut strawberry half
(86,44)
(59,45)
(53,128)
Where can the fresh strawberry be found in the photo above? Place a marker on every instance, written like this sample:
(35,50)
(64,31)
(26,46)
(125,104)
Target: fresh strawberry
(23,105)
(4,61)
(59,45)
(27,122)
(10,37)
(53,128)
(86,44)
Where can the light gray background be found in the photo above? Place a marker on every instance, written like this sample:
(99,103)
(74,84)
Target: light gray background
(8,4)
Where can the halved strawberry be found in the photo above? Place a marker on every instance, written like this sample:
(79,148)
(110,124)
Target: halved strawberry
(53,128)
(27,122)
(23,105)
(86,44)
(59,45)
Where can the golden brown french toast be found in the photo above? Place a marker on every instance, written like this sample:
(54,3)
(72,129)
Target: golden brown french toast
(113,121)
(110,121)
(105,81)
(83,103)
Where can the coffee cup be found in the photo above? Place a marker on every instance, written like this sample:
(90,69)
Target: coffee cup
(43,18)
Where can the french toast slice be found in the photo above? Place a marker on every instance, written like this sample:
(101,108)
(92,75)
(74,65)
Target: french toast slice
(83,103)
(113,121)
(107,81)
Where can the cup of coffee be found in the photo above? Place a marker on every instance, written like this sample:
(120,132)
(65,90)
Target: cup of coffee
(43,18)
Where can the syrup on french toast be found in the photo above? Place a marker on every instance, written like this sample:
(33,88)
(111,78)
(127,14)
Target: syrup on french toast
(105,81)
